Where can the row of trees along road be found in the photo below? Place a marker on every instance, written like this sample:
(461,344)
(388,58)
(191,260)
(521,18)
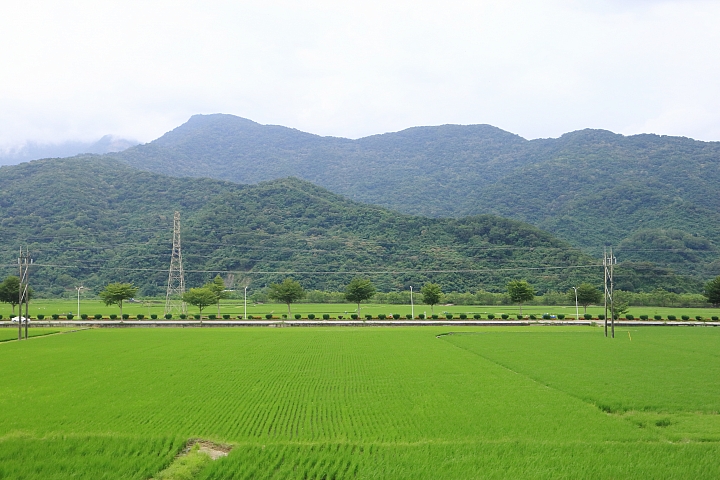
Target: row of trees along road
(357,291)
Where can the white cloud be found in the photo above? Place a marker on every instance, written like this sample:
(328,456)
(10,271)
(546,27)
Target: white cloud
(78,70)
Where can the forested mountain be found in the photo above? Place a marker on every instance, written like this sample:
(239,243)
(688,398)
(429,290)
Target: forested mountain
(652,197)
(90,220)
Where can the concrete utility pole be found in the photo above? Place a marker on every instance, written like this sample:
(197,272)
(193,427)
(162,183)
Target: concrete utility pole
(412,305)
(609,262)
(176,275)
(78,298)
(24,291)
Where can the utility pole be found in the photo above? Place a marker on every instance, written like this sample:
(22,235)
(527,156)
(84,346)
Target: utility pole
(412,305)
(609,262)
(78,298)
(176,275)
(24,291)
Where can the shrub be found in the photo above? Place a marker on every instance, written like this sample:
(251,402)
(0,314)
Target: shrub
(629,316)
(643,317)
(505,316)
(113,316)
(658,317)
(382,316)
(409,316)
(587,316)
(546,316)
(463,316)
(153,316)
(699,318)
(168,316)
(297,316)
(39,317)
(340,317)
(284,316)
(141,316)
(601,317)
(1,317)
(368,316)
(672,317)
(421,316)
(311,316)
(268,316)
(125,316)
(226,316)
(250,317)
(197,316)
(183,316)
(533,317)
(435,316)
(714,319)
(519,317)
(69,316)
(98,316)
(685,317)
(55,316)
(83,316)
(449,316)
(354,316)
(212,317)
(239,317)
(491,316)
(326,316)
(477,316)
(561,316)
(396,316)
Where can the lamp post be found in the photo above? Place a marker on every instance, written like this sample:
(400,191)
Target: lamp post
(78,298)
(577,312)
(245,311)
(412,305)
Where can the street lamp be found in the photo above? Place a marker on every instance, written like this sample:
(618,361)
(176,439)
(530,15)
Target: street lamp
(577,312)
(412,306)
(78,298)
(245,312)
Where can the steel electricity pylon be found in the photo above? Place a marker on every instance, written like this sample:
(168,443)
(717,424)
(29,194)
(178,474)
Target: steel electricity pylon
(176,276)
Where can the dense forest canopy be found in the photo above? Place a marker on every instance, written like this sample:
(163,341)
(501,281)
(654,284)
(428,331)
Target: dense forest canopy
(93,221)
(653,197)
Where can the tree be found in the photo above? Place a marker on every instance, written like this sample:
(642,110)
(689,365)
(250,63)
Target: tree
(289,291)
(587,294)
(115,293)
(200,297)
(431,295)
(520,292)
(218,288)
(10,291)
(712,291)
(358,290)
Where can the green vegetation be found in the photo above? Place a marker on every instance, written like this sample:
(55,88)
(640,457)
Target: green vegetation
(289,291)
(252,234)
(116,293)
(654,197)
(431,295)
(10,291)
(359,290)
(586,295)
(364,403)
(520,292)
(200,297)
(712,291)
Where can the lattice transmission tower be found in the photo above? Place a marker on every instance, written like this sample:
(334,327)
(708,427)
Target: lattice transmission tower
(176,277)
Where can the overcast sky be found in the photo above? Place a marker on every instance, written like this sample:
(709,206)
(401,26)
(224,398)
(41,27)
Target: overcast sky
(76,70)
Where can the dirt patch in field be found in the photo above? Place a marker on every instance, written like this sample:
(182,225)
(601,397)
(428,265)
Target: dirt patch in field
(213,450)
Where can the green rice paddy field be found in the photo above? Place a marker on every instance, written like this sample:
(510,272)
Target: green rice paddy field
(396,403)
